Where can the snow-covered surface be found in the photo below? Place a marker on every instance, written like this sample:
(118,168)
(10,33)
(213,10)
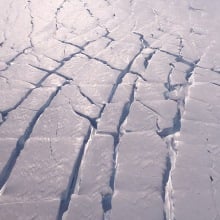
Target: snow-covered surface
(109,110)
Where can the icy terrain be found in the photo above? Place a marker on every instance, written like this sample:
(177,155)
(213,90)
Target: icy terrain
(110,110)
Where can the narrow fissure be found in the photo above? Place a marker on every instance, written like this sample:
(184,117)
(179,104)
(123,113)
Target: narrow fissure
(66,196)
(168,135)
(107,199)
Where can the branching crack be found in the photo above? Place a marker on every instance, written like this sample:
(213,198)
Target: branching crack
(125,71)
(85,96)
(144,42)
(12,60)
(139,75)
(92,121)
(57,13)
(108,37)
(101,61)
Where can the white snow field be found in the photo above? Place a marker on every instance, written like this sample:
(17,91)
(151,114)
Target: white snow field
(110,110)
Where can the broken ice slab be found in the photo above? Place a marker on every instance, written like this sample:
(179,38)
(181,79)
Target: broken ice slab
(22,73)
(42,171)
(137,205)
(205,92)
(137,166)
(193,168)
(97,166)
(197,110)
(159,68)
(194,205)
(140,118)
(150,91)
(121,53)
(111,117)
(93,183)
(166,113)
(124,89)
(11,92)
(141,164)
(101,73)
(39,210)
(84,207)
(99,93)
(206,75)
(197,132)
(60,121)
(21,117)
(78,100)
